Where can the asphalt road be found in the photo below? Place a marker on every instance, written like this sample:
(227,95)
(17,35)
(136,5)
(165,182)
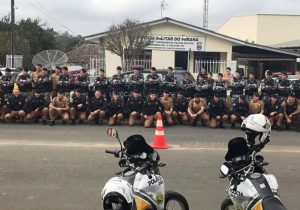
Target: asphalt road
(63,167)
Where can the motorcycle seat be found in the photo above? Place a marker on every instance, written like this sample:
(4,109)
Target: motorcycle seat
(272,203)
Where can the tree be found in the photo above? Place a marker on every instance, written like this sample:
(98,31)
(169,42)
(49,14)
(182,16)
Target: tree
(128,39)
(66,42)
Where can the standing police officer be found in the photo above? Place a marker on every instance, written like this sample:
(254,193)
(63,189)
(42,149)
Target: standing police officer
(252,85)
(24,82)
(7,83)
(201,86)
(237,85)
(152,82)
(64,81)
(187,86)
(101,83)
(268,85)
(169,81)
(296,89)
(284,86)
(220,86)
(82,81)
(118,81)
(43,83)
(136,81)
(78,107)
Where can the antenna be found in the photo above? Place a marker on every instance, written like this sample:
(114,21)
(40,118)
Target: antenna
(205,14)
(162,7)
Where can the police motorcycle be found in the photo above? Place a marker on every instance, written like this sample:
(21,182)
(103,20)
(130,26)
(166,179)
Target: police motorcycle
(139,186)
(251,187)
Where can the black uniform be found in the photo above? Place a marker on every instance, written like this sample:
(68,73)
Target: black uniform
(35,103)
(43,84)
(152,107)
(268,87)
(136,82)
(286,84)
(118,83)
(180,105)
(251,87)
(64,83)
(210,92)
(220,88)
(82,82)
(269,108)
(237,86)
(134,104)
(24,82)
(101,83)
(97,103)
(115,107)
(296,88)
(15,103)
(201,87)
(7,84)
(188,88)
(216,108)
(289,109)
(75,101)
(241,109)
(169,83)
(152,83)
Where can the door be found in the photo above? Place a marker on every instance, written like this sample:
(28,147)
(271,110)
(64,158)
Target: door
(181,59)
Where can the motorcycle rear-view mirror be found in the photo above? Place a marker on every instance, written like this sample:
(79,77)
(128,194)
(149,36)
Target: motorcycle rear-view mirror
(112,132)
(224,170)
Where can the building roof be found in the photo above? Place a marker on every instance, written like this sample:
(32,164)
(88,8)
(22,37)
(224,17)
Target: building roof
(236,42)
(290,44)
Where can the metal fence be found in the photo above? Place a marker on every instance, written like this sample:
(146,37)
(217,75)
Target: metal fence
(214,66)
(17,61)
(144,63)
(95,65)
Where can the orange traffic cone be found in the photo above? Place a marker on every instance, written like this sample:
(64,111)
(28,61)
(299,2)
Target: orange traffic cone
(159,141)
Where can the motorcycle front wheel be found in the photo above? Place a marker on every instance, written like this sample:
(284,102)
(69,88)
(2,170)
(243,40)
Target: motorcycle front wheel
(115,202)
(227,205)
(175,201)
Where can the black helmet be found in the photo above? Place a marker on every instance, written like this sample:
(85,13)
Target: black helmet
(137,144)
(237,147)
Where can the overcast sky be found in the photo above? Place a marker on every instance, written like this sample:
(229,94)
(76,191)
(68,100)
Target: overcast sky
(88,17)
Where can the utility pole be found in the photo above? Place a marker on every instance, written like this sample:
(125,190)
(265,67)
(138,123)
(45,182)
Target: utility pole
(205,14)
(162,7)
(13,37)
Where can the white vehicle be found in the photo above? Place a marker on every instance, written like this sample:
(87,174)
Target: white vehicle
(251,188)
(140,186)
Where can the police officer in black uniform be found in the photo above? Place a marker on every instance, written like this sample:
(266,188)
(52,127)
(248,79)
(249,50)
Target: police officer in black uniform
(78,106)
(252,86)
(43,83)
(97,108)
(152,107)
(274,111)
(7,84)
(82,81)
(210,82)
(134,107)
(187,86)
(201,86)
(118,82)
(240,111)
(152,81)
(64,81)
(180,108)
(136,81)
(169,82)
(284,86)
(296,89)
(102,83)
(268,86)
(220,87)
(115,109)
(24,82)
(237,85)
(14,108)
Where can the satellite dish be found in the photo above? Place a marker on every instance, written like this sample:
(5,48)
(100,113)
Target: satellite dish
(50,58)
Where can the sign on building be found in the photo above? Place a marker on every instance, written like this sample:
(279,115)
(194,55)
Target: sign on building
(177,43)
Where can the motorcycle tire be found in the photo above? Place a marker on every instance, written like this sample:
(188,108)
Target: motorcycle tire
(227,205)
(115,202)
(176,197)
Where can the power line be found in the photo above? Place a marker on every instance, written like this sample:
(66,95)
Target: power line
(53,19)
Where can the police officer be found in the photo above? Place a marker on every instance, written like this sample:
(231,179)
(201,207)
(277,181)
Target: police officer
(240,111)
(43,83)
(187,86)
(169,81)
(252,85)
(118,81)
(64,81)
(201,86)
(237,85)
(152,108)
(152,81)
(134,107)
(7,83)
(220,86)
(24,82)
(78,107)
(284,86)
(296,89)
(167,102)
(210,82)
(256,106)
(97,108)
(101,83)
(203,71)
(180,108)
(14,108)
(268,85)
(60,106)
(82,81)
(115,109)
(291,110)
(136,80)
(54,78)
(274,111)
(37,107)
(197,110)
(217,112)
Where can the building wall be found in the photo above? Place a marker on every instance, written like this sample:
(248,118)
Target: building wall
(112,61)
(163,59)
(263,29)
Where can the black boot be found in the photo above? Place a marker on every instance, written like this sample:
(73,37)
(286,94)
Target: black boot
(221,125)
(44,122)
(233,125)
(52,123)
(73,122)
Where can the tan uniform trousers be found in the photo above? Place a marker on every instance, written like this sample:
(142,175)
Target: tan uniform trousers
(75,113)
(277,119)
(150,120)
(116,119)
(133,117)
(168,117)
(38,114)
(55,113)
(15,114)
(203,116)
